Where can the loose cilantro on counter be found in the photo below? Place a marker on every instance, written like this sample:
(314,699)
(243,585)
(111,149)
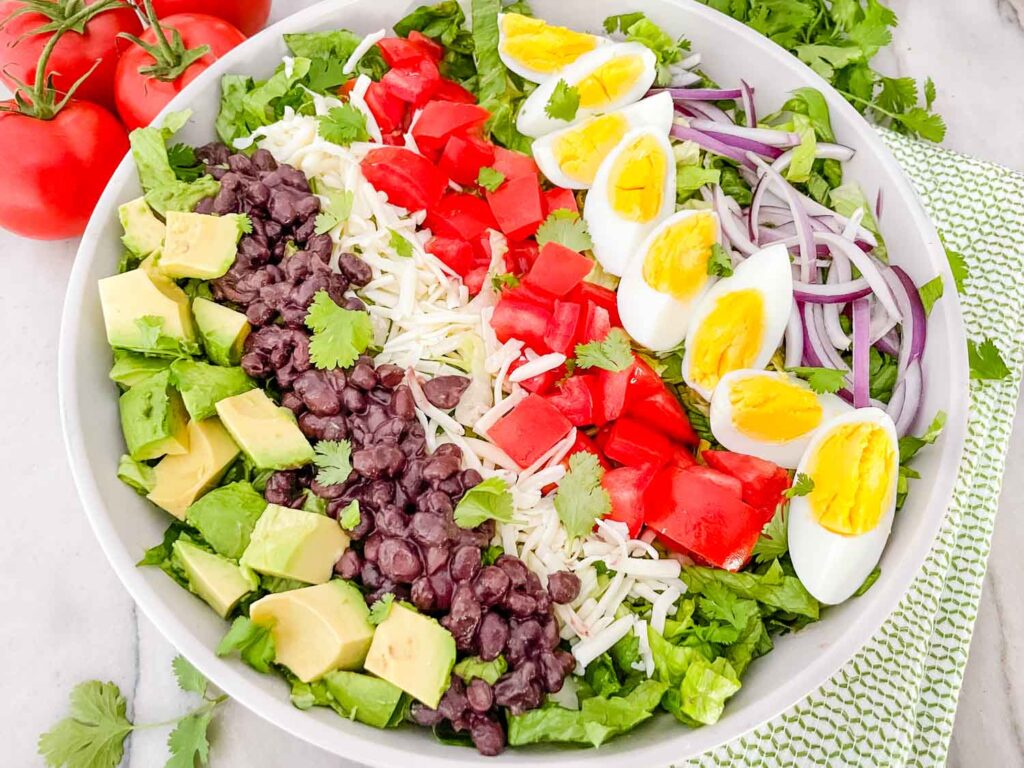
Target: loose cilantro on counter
(985,360)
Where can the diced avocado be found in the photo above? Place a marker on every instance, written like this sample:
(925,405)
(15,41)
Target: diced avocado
(202,385)
(222,329)
(226,517)
(317,629)
(136,475)
(268,433)
(295,544)
(153,419)
(414,652)
(146,313)
(370,700)
(199,245)
(217,580)
(130,367)
(180,480)
(143,232)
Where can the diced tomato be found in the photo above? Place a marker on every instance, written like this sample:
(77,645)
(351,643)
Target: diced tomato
(408,179)
(613,385)
(560,335)
(517,318)
(584,443)
(531,429)
(601,296)
(520,256)
(440,120)
(393,139)
(681,458)
(763,482)
(460,215)
(515,165)
(558,269)
(415,82)
(542,383)
(633,444)
(464,156)
(456,253)
(346,87)
(401,52)
(596,324)
(558,199)
(722,480)
(474,280)
(625,487)
(574,399)
(660,410)
(388,110)
(643,381)
(482,248)
(449,91)
(433,50)
(518,206)
(700,516)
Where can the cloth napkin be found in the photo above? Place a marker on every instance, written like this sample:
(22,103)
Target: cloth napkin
(894,703)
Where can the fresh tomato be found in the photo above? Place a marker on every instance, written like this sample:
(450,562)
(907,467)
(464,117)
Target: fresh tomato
(141,95)
(625,487)
(561,332)
(530,430)
(634,444)
(574,399)
(542,383)
(596,324)
(57,168)
(601,296)
(453,251)
(388,110)
(702,517)
(402,52)
(408,179)
(518,317)
(643,381)
(449,91)
(613,385)
(662,411)
(248,16)
(464,156)
(433,50)
(520,256)
(518,206)
(584,443)
(515,165)
(415,82)
(460,215)
(75,53)
(763,482)
(558,269)
(440,120)
(559,199)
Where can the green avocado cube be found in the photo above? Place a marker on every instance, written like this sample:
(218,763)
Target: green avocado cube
(130,368)
(199,245)
(222,329)
(413,652)
(265,431)
(143,232)
(203,385)
(226,517)
(153,419)
(181,479)
(370,700)
(217,580)
(146,312)
(295,544)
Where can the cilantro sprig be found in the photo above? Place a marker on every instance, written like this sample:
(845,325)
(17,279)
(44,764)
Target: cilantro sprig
(613,354)
(821,380)
(489,500)
(93,734)
(334,460)
(580,500)
(564,102)
(339,335)
(566,228)
(343,125)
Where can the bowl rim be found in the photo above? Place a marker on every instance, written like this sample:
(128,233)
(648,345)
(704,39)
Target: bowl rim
(365,744)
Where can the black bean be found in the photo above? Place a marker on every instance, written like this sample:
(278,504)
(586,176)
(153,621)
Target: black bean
(444,391)
(443,588)
(435,502)
(519,604)
(435,558)
(465,563)
(564,587)
(371,548)
(429,529)
(524,641)
(350,564)
(423,715)
(422,594)
(392,521)
(514,568)
(354,400)
(488,736)
(399,560)
(491,585)
(379,461)
(402,405)
(479,695)
(440,467)
(464,617)
(371,576)
(355,269)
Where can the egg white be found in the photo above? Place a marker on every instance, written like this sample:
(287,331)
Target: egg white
(785,453)
(832,566)
(616,239)
(525,72)
(656,320)
(534,121)
(654,111)
(769,271)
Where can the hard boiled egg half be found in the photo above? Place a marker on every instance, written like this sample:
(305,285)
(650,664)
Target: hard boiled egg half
(740,321)
(770,415)
(666,278)
(534,49)
(571,156)
(837,531)
(608,78)
(634,189)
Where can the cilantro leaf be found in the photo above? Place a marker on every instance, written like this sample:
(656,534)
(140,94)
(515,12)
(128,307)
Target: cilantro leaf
(254,643)
(400,245)
(94,733)
(381,609)
(985,361)
(869,581)
(564,102)
(910,445)
(958,266)
(612,354)
(774,540)
(822,380)
(184,163)
(335,211)
(189,678)
(504,280)
(565,228)
(333,457)
(350,516)
(490,179)
(339,335)
(931,292)
(720,263)
(489,500)
(802,485)
(343,125)
(188,741)
(580,500)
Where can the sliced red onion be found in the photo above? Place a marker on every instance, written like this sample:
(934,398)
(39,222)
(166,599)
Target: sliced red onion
(882,323)
(861,347)
(690,61)
(850,230)
(821,152)
(817,351)
(794,338)
(878,205)
(739,142)
(804,231)
(747,94)
(913,383)
(710,111)
(732,228)
(831,293)
(681,78)
(710,144)
(767,136)
(913,321)
(889,343)
(699,94)
(867,266)
(830,317)
(896,401)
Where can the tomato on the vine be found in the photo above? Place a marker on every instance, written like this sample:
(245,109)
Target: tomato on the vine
(167,57)
(249,16)
(92,35)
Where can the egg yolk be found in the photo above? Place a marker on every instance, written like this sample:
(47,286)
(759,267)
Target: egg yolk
(540,46)
(637,179)
(677,261)
(579,152)
(610,81)
(770,408)
(852,476)
(729,337)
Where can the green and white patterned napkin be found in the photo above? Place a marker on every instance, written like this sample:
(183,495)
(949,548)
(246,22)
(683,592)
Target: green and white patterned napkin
(894,703)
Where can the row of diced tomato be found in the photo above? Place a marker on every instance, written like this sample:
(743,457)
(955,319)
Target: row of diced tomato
(713,510)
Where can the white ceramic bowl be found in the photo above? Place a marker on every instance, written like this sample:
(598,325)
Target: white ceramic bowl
(126,524)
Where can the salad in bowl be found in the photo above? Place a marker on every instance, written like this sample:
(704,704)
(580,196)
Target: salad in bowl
(509,380)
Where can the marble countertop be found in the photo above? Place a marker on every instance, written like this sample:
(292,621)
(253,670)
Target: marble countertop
(66,617)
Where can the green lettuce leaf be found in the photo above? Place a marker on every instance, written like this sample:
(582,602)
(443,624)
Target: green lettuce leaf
(773,588)
(164,190)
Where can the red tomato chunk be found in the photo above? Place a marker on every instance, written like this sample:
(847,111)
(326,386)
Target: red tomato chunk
(408,179)
(763,482)
(558,269)
(625,487)
(440,120)
(518,206)
(530,430)
(634,444)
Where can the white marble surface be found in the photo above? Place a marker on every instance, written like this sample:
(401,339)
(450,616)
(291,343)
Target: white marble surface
(66,618)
